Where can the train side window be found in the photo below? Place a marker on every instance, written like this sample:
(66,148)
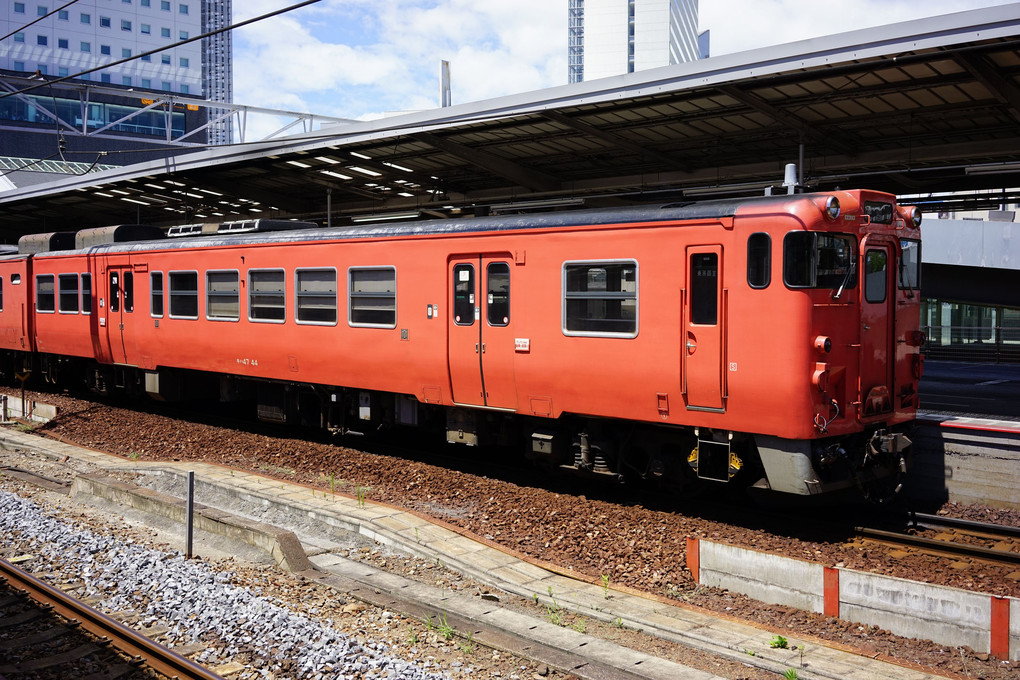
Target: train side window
(267,295)
(875,265)
(759,260)
(372,297)
(15,279)
(316,296)
(1,293)
(816,260)
(67,293)
(464,294)
(704,289)
(910,264)
(114,291)
(497,302)
(44,293)
(129,291)
(600,298)
(183,295)
(86,293)
(222,295)
(156,294)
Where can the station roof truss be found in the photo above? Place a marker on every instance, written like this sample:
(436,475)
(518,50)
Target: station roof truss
(919,109)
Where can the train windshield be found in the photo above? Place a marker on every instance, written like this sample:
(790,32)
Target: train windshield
(814,260)
(910,264)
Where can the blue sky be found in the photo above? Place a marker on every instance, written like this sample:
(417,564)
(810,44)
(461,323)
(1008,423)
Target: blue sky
(364,58)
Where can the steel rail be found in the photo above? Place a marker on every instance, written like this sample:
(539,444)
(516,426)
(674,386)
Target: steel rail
(922,519)
(952,547)
(130,642)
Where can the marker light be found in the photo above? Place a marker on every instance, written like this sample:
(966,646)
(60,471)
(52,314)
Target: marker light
(823,344)
(832,207)
(915,217)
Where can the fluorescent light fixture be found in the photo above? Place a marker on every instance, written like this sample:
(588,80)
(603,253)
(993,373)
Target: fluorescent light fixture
(405,194)
(327,159)
(398,167)
(382,217)
(361,155)
(121,192)
(131,200)
(992,169)
(298,164)
(364,171)
(104,195)
(335,174)
(498,208)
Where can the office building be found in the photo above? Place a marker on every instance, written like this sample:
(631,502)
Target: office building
(613,37)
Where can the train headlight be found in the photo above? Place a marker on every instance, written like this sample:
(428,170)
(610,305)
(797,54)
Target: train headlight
(832,207)
(915,217)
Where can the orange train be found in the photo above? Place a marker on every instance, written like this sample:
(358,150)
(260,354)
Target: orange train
(769,342)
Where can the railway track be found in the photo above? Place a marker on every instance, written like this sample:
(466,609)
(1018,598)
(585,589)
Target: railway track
(85,637)
(940,535)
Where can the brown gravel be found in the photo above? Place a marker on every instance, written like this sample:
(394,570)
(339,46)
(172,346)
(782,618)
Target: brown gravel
(632,545)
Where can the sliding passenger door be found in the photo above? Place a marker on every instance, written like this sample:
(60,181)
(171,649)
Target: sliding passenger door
(481,337)
(116,308)
(878,314)
(704,330)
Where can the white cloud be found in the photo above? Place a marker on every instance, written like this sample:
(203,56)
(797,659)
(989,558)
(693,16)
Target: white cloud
(350,58)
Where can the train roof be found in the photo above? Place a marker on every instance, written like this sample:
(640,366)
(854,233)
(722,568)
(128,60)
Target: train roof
(702,210)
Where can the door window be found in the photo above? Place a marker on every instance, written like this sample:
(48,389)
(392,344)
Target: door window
(875,264)
(114,291)
(498,294)
(464,294)
(704,284)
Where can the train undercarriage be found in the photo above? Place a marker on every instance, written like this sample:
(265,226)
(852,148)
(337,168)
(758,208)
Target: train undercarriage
(872,463)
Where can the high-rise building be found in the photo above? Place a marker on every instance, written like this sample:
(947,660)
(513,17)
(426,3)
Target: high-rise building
(612,37)
(49,43)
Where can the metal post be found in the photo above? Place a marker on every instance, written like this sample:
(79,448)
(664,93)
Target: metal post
(191,513)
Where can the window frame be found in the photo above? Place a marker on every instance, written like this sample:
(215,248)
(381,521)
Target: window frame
(371,295)
(172,293)
(814,285)
(153,276)
(53,293)
(766,265)
(86,293)
(298,295)
(210,294)
(870,282)
(505,320)
(900,275)
(65,294)
(253,292)
(566,295)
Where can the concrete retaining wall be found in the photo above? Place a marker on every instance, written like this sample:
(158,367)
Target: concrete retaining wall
(947,616)
(962,461)
(283,545)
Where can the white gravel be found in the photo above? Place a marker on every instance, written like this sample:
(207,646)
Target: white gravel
(198,604)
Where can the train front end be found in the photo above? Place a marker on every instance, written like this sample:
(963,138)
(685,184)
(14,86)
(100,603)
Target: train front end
(859,266)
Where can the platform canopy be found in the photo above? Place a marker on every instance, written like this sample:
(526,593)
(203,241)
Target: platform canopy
(918,108)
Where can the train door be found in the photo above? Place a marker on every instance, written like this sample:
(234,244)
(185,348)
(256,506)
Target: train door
(878,313)
(118,296)
(481,338)
(704,326)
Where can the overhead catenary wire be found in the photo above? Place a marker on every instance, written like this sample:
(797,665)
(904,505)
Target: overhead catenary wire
(241,24)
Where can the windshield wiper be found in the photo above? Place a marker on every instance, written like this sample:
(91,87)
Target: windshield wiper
(851,270)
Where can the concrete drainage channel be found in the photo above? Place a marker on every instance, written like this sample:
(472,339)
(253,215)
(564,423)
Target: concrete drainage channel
(304,545)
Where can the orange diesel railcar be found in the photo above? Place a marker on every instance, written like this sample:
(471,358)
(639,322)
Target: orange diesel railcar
(770,341)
